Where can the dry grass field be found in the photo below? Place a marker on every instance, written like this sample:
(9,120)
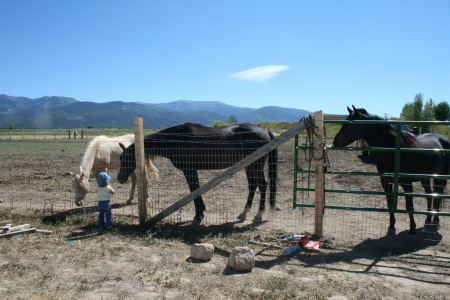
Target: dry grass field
(356,260)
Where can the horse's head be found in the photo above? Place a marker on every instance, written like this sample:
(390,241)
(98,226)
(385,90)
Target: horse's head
(80,186)
(351,132)
(127,163)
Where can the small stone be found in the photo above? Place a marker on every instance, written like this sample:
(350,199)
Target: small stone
(241,259)
(202,251)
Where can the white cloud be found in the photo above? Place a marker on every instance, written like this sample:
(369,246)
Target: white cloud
(261,73)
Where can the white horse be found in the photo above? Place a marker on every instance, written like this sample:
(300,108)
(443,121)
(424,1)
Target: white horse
(103,154)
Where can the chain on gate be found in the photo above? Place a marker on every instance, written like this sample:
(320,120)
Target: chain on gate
(310,147)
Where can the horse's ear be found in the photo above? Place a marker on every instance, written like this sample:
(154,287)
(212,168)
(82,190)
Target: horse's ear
(122,146)
(349,110)
(357,113)
(82,174)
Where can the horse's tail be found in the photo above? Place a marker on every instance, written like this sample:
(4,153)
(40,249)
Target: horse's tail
(273,173)
(444,142)
(446,145)
(151,168)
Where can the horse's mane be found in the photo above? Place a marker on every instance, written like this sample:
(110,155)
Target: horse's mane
(101,147)
(91,151)
(406,137)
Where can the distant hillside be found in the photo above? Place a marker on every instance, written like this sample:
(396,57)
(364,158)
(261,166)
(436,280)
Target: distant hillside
(63,112)
(243,114)
(212,106)
(274,114)
(103,115)
(10,105)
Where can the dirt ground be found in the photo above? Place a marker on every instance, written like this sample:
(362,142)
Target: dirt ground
(356,259)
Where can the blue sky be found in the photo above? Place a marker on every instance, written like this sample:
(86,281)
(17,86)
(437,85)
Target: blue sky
(312,55)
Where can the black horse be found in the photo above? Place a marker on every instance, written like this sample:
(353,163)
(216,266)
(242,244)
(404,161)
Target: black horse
(384,135)
(191,147)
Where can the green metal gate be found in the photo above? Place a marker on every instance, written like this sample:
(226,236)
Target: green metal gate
(396,175)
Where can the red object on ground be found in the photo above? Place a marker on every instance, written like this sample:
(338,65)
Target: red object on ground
(306,244)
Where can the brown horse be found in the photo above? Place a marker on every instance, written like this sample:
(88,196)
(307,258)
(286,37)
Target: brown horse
(384,135)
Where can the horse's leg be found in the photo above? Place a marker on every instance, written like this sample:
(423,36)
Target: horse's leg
(427,187)
(95,175)
(133,187)
(191,176)
(438,187)
(408,188)
(273,177)
(262,183)
(387,186)
(251,180)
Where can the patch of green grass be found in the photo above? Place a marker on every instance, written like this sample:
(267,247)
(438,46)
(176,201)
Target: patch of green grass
(277,283)
(277,126)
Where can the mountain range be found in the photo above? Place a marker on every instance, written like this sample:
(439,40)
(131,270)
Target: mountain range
(65,112)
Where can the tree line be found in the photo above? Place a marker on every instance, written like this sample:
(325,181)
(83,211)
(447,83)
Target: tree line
(421,110)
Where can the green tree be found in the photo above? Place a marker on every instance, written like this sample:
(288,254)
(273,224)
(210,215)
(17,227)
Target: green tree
(232,120)
(11,127)
(417,107)
(407,112)
(442,111)
(413,111)
(428,111)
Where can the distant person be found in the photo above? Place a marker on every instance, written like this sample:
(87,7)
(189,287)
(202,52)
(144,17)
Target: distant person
(104,193)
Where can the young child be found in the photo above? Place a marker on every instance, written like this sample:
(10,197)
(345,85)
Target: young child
(104,193)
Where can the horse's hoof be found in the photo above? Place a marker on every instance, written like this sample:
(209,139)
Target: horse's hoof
(242,216)
(196,223)
(275,208)
(391,232)
(257,219)
(79,203)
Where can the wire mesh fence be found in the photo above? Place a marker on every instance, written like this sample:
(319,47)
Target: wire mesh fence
(36,178)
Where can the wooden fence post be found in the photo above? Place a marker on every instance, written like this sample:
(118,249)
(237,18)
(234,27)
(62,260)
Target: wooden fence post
(141,173)
(319,175)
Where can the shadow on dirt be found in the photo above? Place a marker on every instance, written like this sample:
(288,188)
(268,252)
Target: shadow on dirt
(394,256)
(182,231)
(386,246)
(389,248)
(374,250)
(62,216)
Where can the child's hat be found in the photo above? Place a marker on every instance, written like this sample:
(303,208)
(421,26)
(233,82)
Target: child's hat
(103,178)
